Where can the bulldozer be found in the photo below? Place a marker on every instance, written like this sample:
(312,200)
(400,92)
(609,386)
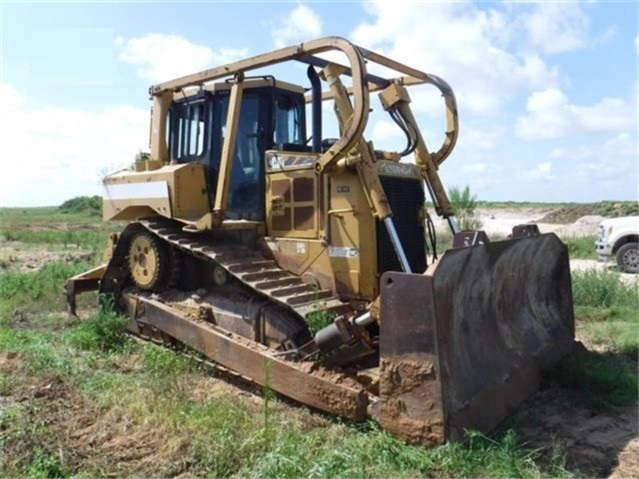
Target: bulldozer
(309,264)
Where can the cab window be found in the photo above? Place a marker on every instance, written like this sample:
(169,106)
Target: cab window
(189,127)
(288,120)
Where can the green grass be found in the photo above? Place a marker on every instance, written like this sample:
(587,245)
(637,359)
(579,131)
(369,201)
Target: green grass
(581,247)
(89,239)
(171,417)
(603,380)
(24,294)
(319,319)
(607,314)
(215,435)
(607,311)
(103,330)
(601,288)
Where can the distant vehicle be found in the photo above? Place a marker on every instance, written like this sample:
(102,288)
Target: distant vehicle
(619,237)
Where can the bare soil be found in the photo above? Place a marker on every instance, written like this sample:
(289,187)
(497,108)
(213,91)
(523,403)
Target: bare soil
(595,443)
(16,256)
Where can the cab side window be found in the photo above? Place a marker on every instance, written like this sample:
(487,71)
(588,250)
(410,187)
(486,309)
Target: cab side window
(189,130)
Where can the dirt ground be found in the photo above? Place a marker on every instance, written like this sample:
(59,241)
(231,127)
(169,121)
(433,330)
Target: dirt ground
(597,444)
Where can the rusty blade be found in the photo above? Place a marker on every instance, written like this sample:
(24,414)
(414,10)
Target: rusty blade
(461,349)
(503,313)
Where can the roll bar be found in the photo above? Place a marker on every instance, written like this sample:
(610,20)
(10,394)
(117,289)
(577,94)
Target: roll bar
(363,83)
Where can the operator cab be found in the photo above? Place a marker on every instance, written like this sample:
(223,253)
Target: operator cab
(272,116)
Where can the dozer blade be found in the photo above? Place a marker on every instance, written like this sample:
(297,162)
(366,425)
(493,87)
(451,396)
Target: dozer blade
(462,348)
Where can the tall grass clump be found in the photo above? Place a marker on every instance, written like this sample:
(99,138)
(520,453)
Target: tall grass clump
(341,452)
(39,284)
(581,246)
(103,331)
(607,310)
(603,289)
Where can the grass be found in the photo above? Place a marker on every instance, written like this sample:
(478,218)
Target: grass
(607,316)
(102,330)
(603,380)
(213,435)
(581,247)
(607,311)
(319,319)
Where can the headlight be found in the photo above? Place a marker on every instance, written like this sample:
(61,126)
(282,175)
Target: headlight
(600,232)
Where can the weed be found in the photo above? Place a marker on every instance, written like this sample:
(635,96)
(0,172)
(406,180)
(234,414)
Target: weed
(103,330)
(319,319)
(581,246)
(603,289)
(159,361)
(44,466)
(607,310)
(37,291)
(268,395)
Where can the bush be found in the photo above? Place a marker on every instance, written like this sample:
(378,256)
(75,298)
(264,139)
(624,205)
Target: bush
(83,204)
(603,289)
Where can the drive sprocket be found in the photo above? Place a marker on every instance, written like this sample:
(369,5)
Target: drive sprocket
(151,262)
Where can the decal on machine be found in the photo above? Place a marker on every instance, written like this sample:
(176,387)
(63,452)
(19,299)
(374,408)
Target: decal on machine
(146,189)
(342,252)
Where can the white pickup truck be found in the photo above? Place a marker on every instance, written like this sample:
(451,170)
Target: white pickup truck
(619,237)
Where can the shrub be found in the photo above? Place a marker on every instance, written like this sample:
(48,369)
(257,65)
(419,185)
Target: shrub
(83,204)
(603,289)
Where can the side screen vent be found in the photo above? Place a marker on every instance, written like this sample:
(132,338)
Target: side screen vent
(406,198)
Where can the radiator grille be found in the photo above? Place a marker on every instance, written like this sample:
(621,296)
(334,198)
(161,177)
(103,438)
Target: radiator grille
(406,198)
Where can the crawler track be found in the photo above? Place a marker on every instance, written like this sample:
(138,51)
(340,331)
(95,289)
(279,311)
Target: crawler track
(259,273)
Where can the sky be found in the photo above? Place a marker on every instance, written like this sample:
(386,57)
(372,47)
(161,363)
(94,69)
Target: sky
(547,92)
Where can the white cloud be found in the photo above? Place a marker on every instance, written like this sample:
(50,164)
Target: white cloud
(386,133)
(468,46)
(556,27)
(602,170)
(160,57)
(551,115)
(541,171)
(60,153)
(301,24)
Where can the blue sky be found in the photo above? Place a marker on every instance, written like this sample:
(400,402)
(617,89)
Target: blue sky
(547,92)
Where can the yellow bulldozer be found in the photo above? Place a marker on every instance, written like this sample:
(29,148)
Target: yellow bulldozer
(302,262)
